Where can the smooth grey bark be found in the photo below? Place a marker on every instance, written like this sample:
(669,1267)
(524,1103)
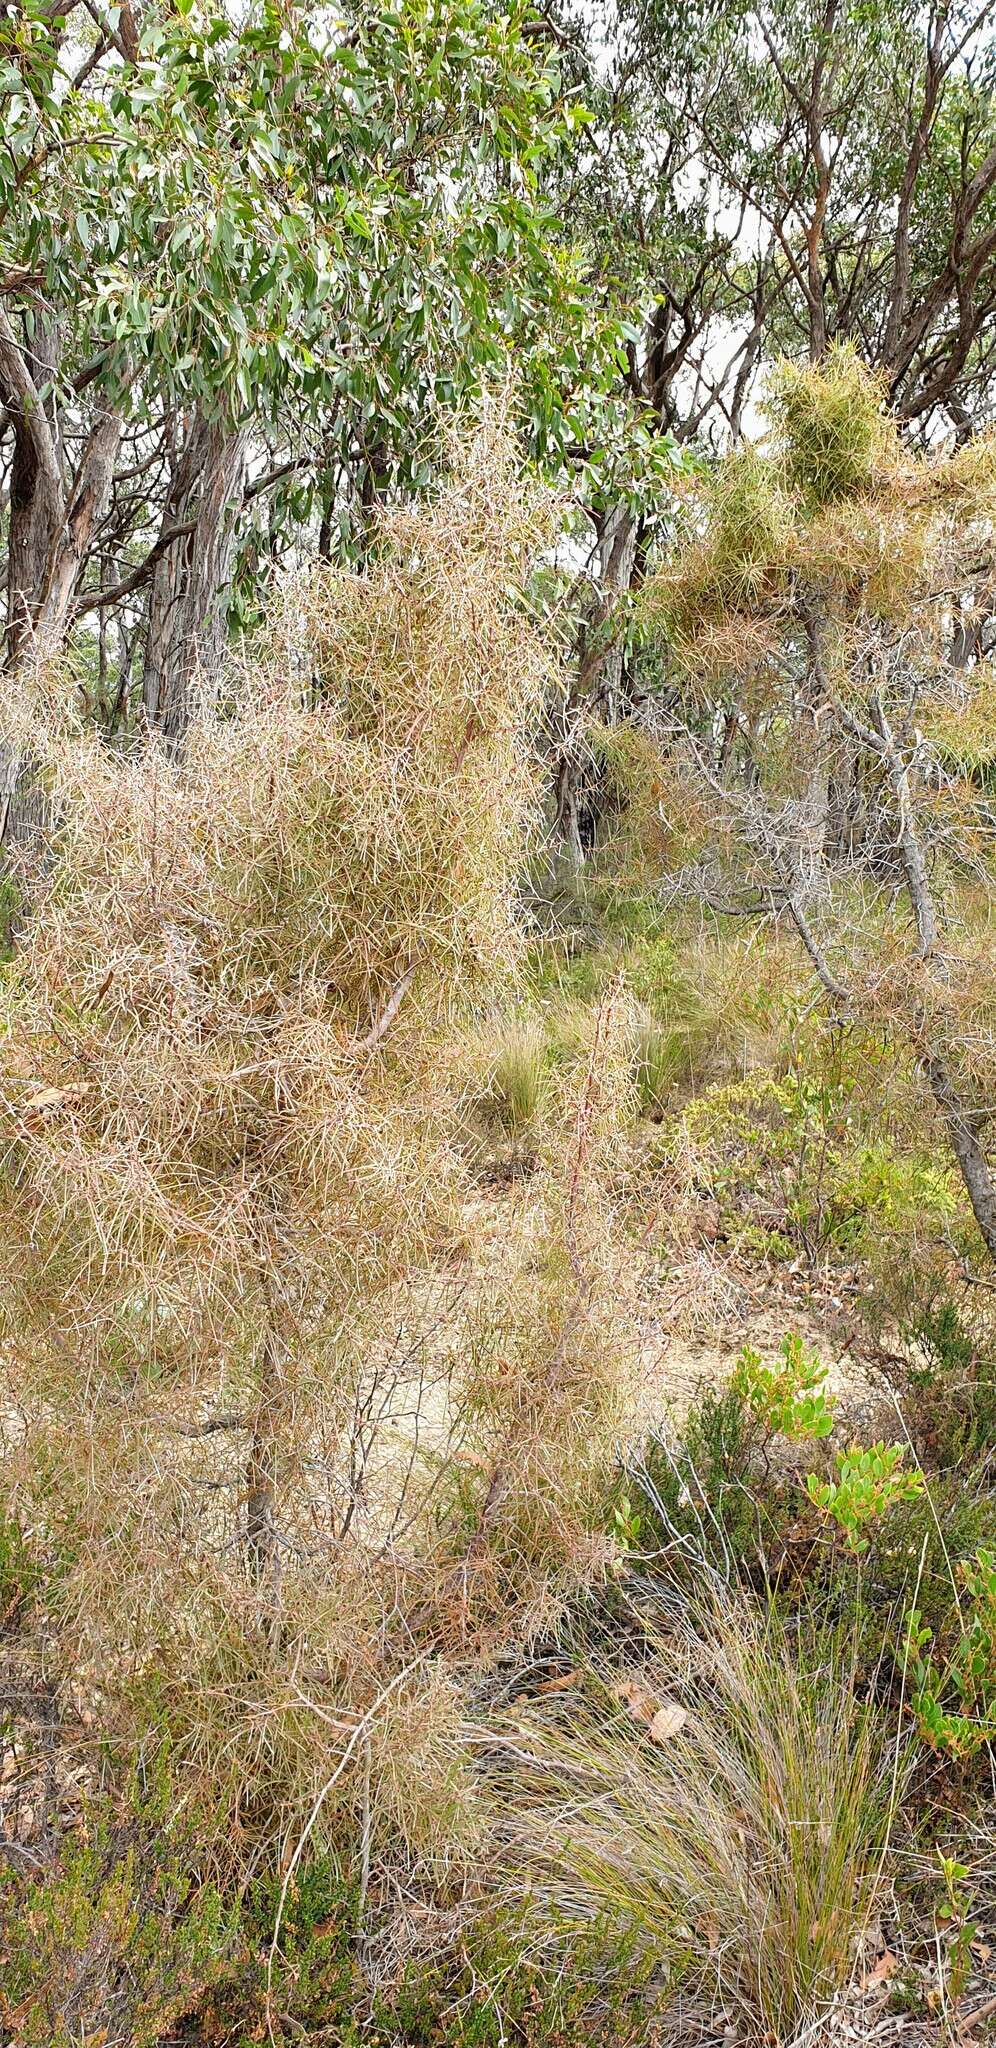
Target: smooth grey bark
(600,684)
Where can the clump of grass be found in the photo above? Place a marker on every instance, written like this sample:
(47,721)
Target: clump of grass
(748,1832)
(519,1081)
(658,1059)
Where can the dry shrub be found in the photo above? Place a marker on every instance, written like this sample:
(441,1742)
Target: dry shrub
(741,1832)
(709,601)
(553,1347)
(833,506)
(223,1149)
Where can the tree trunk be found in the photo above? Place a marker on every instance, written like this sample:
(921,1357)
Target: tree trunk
(617,553)
(68,552)
(188,596)
(51,529)
(961,1125)
(600,689)
(36,484)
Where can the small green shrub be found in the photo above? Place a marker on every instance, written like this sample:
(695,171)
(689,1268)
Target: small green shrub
(511,1983)
(953,1410)
(953,1695)
(313,1980)
(788,1399)
(869,1481)
(690,1502)
(19,1572)
(114,1944)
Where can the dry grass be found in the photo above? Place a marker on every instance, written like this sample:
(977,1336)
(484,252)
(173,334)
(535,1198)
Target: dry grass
(745,1839)
(518,1084)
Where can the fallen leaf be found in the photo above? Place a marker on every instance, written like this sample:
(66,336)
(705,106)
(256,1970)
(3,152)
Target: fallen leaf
(668,1721)
(641,1703)
(885,1968)
(56,1098)
(561,1684)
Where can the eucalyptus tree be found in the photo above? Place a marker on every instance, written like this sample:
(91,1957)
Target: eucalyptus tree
(246,262)
(863,140)
(774,179)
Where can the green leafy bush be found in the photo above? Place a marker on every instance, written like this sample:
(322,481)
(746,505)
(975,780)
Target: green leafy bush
(954,1695)
(690,1501)
(869,1480)
(952,1380)
(311,1980)
(788,1399)
(114,1944)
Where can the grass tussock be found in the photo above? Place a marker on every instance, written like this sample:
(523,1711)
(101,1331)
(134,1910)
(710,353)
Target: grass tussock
(519,1080)
(742,1833)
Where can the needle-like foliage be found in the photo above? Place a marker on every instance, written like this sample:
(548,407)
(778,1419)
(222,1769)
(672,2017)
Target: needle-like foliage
(222,1146)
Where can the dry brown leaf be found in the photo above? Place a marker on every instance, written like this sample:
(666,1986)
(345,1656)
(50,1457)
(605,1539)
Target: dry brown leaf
(668,1720)
(561,1684)
(56,1098)
(635,1697)
(885,1968)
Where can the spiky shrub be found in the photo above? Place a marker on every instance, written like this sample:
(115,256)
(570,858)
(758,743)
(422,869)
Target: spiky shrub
(222,1147)
(838,441)
(734,568)
(741,1828)
(817,707)
(553,1349)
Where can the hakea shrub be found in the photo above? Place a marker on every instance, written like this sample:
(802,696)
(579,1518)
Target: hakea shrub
(224,1160)
(827,736)
(552,1348)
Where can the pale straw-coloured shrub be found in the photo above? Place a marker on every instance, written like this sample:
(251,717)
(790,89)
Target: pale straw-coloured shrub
(224,1159)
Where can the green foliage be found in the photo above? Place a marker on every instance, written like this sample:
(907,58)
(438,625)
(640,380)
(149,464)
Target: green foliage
(832,426)
(952,1380)
(116,1942)
(869,1481)
(952,1917)
(311,1980)
(788,1399)
(508,1986)
(693,1500)
(909,1556)
(797,1153)
(953,1695)
(658,1059)
(19,1572)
